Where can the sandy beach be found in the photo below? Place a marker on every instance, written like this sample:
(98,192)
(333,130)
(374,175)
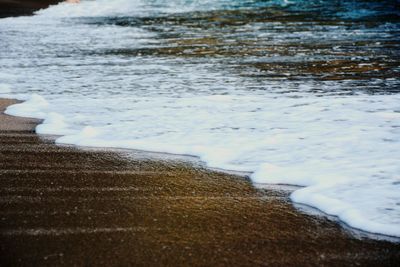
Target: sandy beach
(81,207)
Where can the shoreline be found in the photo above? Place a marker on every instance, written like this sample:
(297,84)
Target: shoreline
(193,161)
(64,205)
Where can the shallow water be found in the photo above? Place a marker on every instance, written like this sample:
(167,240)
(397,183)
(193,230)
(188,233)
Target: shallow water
(295,92)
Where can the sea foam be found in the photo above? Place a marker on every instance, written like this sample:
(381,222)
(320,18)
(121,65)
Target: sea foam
(93,84)
(348,168)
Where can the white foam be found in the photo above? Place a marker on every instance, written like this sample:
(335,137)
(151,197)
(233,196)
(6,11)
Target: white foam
(349,165)
(84,137)
(54,124)
(5,88)
(5,83)
(344,149)
(373,207)
(35,106)
(101,8)
(90,8)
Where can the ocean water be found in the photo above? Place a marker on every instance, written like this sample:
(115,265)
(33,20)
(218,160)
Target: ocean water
(293,92)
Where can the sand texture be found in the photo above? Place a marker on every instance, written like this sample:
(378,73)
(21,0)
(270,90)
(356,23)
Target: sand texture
(81,207)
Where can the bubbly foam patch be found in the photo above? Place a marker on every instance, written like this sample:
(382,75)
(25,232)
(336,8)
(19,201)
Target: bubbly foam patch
(348,165)
(35,106)
(53,124)
(139,8)
(100,8)
(5,88)
(105,85)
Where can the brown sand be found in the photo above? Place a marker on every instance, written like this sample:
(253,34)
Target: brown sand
(74,207)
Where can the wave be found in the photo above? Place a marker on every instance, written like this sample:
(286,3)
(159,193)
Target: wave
(344,172)
(384,9)
(290,100)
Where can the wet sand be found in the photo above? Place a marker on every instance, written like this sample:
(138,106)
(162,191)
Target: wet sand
(84,207)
